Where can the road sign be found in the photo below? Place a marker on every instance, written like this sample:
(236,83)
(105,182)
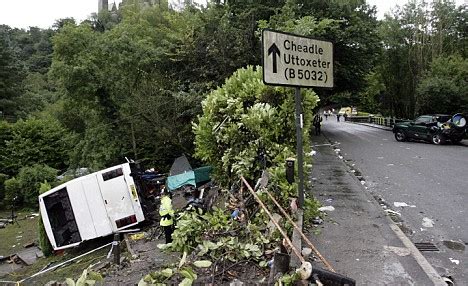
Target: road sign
(296,61)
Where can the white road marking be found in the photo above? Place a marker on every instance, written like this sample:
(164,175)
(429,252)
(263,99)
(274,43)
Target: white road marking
(420,259)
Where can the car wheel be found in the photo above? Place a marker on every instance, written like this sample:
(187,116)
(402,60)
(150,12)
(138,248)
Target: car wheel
(400,136)
(438,139)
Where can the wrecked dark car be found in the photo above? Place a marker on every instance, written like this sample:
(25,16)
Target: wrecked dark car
(435,128)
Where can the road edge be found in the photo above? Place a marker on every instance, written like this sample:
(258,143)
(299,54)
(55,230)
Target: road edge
(431,273)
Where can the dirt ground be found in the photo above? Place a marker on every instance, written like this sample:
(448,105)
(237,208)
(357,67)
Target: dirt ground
(138,258)
(148,258)
(151,258)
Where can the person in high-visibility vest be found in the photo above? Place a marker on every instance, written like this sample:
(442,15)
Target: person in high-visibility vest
(167,213)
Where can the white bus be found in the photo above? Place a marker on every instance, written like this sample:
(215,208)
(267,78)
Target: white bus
(91,206)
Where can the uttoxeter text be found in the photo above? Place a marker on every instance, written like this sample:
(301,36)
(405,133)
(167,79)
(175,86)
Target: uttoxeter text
(298,61)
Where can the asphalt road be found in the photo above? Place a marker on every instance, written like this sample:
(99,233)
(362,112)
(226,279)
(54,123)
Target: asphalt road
(432,180)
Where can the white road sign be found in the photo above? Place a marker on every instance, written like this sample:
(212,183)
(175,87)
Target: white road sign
(296,61)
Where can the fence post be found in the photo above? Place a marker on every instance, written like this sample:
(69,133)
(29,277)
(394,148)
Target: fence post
(116,244)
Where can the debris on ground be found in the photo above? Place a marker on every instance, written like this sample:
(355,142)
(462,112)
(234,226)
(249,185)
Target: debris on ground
(221,236)
(30,255)
(402,204)
(454,245)
(427,222)
(317,221)
(327,209)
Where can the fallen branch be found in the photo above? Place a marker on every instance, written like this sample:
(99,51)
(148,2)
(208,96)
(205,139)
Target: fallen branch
(288,241)
(229,267)
(309,243)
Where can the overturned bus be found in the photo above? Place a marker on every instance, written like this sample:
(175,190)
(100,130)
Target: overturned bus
(97,204)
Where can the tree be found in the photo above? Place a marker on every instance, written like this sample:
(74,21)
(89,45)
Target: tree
(24,64)
(35,141)
(148,86)
(5,135)
(13,192)
(413,36)
(60,23)
(444,88)
(372,97)
(3,178)
(245,123)
(25,186)
(11,74)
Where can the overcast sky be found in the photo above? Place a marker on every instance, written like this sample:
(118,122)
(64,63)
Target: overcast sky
(43,13)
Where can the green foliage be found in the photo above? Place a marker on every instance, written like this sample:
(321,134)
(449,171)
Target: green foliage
(34,141)
(12,191)
(38,93)
(3,178)
(350,25)
(186,274)
(11,74)
(372,94)
(214,235)
(414,35)
(189,223)
(311,206)
(245,118)
(290,279)
(44,242)
(133,86)
(444,88)
(143,75)
(86,278)
(24,54)
(25,186)
(156,277)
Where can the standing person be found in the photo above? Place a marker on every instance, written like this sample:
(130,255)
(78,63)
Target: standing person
(167,213)
(338,117)
(345,116)
(317,122)
(325,113)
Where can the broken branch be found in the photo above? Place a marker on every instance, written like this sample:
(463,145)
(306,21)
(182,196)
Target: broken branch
(301,233)
(296,252)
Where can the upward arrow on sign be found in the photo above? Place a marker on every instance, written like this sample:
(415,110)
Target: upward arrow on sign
(275,51)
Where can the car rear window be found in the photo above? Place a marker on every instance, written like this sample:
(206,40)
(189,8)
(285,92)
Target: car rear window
(423,119)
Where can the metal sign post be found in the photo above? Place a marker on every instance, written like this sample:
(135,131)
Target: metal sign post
(297,61)
(299,147)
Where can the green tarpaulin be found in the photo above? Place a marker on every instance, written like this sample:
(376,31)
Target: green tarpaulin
(194,178)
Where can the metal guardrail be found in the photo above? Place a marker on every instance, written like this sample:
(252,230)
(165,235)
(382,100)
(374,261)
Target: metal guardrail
(378,120)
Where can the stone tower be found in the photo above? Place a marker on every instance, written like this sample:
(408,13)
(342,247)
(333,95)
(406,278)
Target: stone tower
(103,5)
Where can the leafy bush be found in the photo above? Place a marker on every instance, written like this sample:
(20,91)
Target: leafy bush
(247,127)
(12,191)
(3,178)
(44,242)
(245,120)
(87,278)
(34,141)
(214,235)
(311,211)
(27,183)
